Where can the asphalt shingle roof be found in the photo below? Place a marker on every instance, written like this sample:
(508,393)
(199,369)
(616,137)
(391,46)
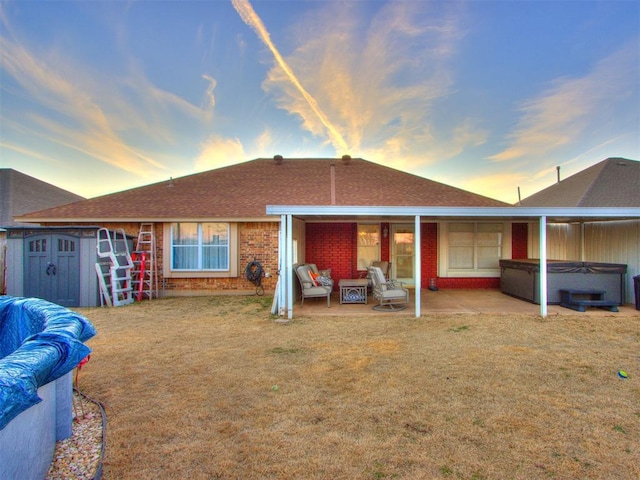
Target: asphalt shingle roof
(245,189)
(20,193)
(614,182)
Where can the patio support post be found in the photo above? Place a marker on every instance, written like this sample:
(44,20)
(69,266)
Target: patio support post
(282,265)
(284,287)
(418,262)
(276,306)
(543,266)
(289,266)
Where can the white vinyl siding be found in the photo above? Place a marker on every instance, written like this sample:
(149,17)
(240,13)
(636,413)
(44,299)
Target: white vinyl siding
(607,242)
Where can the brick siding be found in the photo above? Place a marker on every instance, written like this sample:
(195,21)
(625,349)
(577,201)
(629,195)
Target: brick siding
(328,245)
(519,239)
(333,245)
(257,241)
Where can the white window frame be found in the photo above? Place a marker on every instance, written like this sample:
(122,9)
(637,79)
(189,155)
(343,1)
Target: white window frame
(443,252)
(358,265)
(231,271)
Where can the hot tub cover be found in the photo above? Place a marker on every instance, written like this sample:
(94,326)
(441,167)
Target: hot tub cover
(39,343)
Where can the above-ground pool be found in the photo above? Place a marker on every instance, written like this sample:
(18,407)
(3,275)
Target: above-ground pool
(40,345)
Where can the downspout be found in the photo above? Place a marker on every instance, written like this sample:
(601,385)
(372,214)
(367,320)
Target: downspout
(543,266)
(418,262)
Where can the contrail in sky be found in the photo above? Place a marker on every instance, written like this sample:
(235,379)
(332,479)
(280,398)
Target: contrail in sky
(250,17)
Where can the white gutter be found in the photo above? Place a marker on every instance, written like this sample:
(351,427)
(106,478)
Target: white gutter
(514,212)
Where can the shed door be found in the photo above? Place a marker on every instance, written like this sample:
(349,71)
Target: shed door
(52,269)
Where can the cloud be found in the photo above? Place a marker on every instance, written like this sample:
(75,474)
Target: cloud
(378,92)
(249,16)
(122,121)
(31,153)
(565,110)
(79,122)
(264,142)
(218,152)
(210,98)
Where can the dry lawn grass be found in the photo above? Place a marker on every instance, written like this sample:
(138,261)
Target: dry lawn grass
(213,388)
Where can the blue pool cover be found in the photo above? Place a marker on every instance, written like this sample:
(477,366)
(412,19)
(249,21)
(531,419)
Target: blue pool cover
(39,343)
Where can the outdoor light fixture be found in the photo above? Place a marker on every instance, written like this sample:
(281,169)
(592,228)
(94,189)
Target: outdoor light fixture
(385,232)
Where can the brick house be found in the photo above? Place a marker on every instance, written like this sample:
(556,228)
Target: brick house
(234,199)
(210,225)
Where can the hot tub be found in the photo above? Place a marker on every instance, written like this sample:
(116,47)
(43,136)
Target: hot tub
(521,279)
(40,345)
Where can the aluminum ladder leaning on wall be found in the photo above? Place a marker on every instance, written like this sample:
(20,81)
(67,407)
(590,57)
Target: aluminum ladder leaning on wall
(115,268)
(145,271)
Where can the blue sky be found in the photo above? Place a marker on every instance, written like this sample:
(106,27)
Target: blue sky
(487,96)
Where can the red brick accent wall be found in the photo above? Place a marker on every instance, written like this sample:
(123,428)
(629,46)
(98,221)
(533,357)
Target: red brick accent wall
(428,252)
(457,282)
(385,250)
(519,239)
(333,245)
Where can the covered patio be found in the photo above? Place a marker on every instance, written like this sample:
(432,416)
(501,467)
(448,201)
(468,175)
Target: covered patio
(474,299)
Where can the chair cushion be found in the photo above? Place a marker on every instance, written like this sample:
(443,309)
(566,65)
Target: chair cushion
(379,278)
(388,294)
(304,276)
(319,291)
(382,265)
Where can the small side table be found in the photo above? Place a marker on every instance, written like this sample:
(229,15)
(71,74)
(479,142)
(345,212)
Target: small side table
(353,290)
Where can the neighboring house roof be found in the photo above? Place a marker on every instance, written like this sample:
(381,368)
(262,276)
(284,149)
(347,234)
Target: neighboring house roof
(245,189)
(20,194)
(614,182)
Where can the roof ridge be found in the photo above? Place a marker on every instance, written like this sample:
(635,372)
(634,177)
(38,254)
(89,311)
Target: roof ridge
(600,166)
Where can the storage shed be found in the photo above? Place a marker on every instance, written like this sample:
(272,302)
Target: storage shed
(53,263)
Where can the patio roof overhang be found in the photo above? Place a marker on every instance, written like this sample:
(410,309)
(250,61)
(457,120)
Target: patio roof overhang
(543,215)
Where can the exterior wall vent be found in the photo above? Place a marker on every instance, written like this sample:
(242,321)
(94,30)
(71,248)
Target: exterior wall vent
(277,159)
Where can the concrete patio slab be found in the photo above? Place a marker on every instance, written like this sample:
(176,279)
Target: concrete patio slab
(453,301)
